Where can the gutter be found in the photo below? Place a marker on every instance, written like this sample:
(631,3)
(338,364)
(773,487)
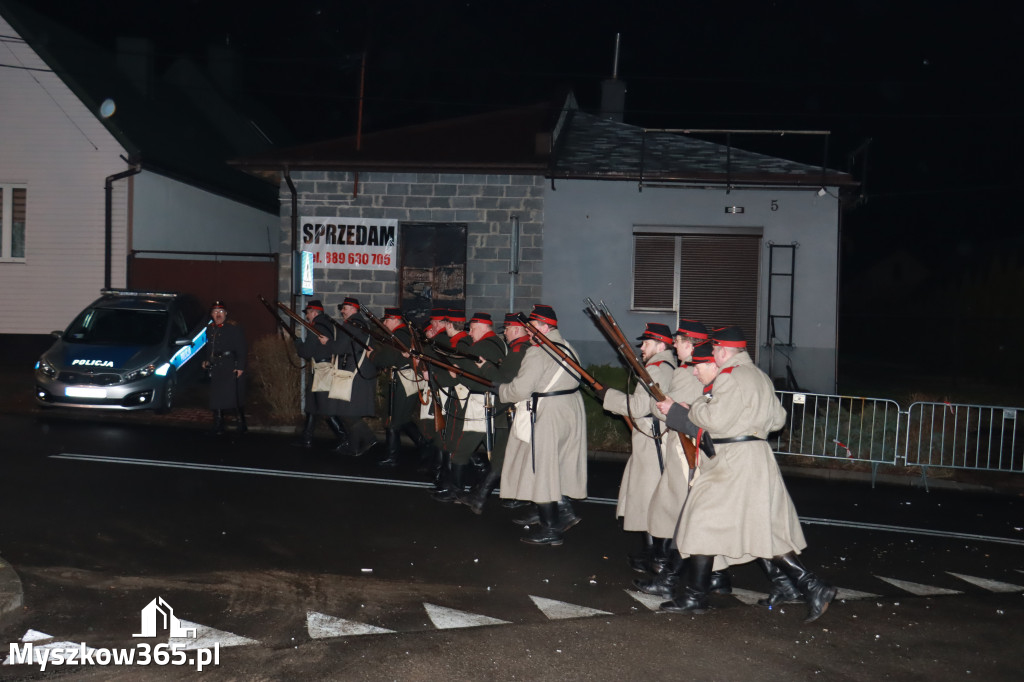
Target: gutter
(108,218)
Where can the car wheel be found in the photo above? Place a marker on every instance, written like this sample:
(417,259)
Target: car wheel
(166,397)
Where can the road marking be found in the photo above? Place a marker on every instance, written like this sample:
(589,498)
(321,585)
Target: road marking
(917,588)
(321,626)
(843,593)
(748,596)
(414,484)
(206,637)
(986,584)
(651,601)
(34,636)
(444,618)
(557,610)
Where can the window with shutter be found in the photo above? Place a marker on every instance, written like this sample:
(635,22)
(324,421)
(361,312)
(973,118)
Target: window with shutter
(12,222)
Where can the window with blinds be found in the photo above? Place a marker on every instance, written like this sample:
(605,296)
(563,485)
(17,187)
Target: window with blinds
(708,277)
(12,222)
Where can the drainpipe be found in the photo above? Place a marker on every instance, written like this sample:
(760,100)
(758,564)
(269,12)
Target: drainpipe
(108,218)
(295,232)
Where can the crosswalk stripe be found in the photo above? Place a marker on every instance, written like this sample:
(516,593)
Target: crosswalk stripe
(651,601)
(986,584)
(444,618)
(556,610)
(34,636)
(844,593)
(322,626)
(206,637)
(917,588)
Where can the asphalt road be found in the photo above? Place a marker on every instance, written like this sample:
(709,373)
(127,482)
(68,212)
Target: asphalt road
(305,565)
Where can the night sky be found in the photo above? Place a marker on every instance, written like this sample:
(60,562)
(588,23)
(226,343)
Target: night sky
(935,86)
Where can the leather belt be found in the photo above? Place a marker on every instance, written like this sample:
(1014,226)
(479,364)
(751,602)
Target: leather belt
(734,439)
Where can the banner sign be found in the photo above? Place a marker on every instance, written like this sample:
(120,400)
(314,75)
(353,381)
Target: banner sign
(358,243)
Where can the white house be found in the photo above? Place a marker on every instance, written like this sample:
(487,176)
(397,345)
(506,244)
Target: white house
(98,166)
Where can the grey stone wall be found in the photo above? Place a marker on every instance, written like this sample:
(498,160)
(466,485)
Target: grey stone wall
(485,203)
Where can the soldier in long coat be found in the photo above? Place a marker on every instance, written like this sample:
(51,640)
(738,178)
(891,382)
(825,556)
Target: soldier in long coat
(644,467)
(313,347)
(546,457)
(518,341)
(738,508)
(466,430)
(350,346)
(403,388)
(226,361)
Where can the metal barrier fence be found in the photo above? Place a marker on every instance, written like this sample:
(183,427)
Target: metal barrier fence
(877,431)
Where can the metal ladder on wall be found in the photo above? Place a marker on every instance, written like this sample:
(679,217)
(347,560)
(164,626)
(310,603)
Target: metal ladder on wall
(781,276)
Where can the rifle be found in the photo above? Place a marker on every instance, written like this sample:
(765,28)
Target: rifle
(277,318)
(564,358)
(352,336)
(435,394)
(299,318)
(610,327)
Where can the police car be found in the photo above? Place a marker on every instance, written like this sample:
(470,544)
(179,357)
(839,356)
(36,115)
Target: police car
(127,351)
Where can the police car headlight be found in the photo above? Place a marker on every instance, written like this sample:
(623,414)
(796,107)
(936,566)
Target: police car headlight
(46,368)
(146,371)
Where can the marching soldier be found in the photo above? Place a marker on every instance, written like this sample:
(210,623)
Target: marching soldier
(319,403)
(739,413)
(546,458)
(226,362)
(467,413)
(517,340)
(647,462)
(350,347)
(403,393)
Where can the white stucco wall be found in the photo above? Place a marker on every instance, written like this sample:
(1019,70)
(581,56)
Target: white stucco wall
(588,251)
(169,215)
(52,144)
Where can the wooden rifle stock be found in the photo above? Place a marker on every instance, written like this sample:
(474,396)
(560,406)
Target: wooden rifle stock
(299,318)
(277,318)
(618,339)
(435,394)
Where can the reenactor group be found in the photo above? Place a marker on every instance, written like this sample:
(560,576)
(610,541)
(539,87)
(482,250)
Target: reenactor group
(503,409)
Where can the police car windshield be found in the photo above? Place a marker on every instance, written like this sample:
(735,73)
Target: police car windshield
(120,327)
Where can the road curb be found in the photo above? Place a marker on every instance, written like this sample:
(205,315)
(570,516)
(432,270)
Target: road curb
(12,597)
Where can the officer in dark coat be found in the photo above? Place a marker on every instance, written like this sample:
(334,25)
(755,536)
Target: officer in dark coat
(350,346)
(226,362)
(403,388)
(315,349)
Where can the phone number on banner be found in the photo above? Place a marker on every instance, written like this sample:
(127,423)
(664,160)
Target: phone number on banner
(351,258)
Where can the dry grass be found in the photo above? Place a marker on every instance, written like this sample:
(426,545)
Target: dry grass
(276,372)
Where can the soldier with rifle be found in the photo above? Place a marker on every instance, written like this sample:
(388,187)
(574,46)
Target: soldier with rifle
(351,348)
(467,418)
(739,412)
(645,465)
(518,340)
(403,384)
(314,348)
(546,458)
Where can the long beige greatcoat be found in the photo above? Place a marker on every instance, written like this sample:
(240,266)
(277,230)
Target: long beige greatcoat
(642,472)
(560,433)
(739,508)
(669,495)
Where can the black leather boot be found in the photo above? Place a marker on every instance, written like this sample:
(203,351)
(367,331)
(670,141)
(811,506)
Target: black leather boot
(218,422)
(242,426)
(660,555)
(427,458)
(566,515)
(393,439)
(514,504)
(639,561)
(666,583)
(456,484)
(721,582)
(547,533)
(476,497)
(343,445)
(783,590)
(818,593)
(442,471)
(530,517)
(695,595)
(306,441)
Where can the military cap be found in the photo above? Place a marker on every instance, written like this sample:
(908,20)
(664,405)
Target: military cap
(656,332)
(314,304)
(394,313)
(701,354)
(692,328)
(544,313)
(730,337)
(482,318)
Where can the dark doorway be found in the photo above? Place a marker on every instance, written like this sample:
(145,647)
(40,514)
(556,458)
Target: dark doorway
(432,265)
